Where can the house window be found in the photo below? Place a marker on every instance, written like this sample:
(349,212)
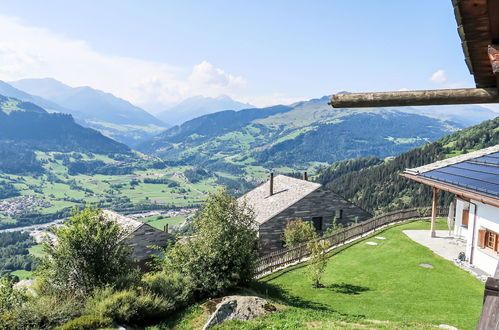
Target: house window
(317,221)
(488,239)
(339,214)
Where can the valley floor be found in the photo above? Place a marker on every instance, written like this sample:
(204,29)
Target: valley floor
(366,286)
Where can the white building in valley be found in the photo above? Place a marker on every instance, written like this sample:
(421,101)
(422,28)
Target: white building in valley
(474,179)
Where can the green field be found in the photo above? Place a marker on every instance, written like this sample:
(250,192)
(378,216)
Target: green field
(159,221)
(365,286)
(36,250)
(63,190)
(23,274)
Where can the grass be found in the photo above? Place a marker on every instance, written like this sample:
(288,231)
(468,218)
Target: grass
(159,221)
(36,250)
(23,274)
(367,286)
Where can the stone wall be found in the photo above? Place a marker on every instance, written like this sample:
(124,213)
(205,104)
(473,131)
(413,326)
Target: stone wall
(320,203)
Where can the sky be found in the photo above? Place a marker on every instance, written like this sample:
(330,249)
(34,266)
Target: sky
(156,53)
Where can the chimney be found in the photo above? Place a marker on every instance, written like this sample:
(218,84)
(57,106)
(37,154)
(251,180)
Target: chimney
(165,229)
(271,183)
(305,176)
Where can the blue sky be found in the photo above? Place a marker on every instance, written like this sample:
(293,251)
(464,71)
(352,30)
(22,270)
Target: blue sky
(263,52)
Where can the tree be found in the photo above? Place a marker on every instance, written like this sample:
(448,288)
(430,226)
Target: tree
(297,232)
(317,262)
(87,252)
(223,252)
(335,226)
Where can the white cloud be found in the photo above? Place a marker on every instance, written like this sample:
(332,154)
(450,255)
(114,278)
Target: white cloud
(32,52)
(439,77)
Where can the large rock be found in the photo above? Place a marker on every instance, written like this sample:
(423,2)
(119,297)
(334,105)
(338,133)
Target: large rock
(239,308)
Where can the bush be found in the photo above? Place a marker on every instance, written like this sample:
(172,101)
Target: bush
(46,312)
(298,232)
(127,306)
(224,251)
(87,253)
(87,322)
(173,287)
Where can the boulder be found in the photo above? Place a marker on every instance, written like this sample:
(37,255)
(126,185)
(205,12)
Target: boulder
(239,308)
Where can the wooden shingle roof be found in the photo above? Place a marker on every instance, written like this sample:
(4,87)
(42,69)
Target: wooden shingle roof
(478,27)
(287,191)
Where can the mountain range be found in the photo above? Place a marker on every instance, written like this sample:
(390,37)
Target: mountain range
(197,106)
(105,112)
(307,133)
(26,128)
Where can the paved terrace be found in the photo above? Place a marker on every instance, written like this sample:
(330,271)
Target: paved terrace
(445,245)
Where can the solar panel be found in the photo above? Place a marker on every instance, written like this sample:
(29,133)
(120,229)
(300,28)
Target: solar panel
(479,174)
(488,159)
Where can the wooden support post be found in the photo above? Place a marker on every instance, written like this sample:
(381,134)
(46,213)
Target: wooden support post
(415,98)
(434,204)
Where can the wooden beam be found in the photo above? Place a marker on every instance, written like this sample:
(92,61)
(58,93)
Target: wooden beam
(434,204)
(493,13)
(415,98)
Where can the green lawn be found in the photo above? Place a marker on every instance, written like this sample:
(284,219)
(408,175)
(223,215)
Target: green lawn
(379,286)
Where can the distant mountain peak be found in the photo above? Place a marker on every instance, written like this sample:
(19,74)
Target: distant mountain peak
(199,105)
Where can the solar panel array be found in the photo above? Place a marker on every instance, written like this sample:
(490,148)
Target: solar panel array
(479,174)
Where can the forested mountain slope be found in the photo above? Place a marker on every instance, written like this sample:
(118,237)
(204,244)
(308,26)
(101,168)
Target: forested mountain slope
(25,128)
(380,188)
(303,134)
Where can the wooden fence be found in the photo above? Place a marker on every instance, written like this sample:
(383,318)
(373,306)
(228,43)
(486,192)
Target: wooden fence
(489,319)
(288,256)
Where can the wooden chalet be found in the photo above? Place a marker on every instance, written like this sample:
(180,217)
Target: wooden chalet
(283,198)
(143,238)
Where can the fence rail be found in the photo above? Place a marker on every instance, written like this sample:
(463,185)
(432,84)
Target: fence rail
(288,256)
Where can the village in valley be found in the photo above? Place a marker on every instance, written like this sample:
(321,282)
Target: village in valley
(356,210)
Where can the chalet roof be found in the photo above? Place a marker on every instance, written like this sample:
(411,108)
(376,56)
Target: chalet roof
(478,27)
(474,175)
(141,237)
(129,225)
(287,191)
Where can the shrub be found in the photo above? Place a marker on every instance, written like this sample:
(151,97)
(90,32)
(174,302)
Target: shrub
(47,312)
(224,251)
(173,287)
(87,253)
(10,298)
(87,322)
(298,232)
(127,306)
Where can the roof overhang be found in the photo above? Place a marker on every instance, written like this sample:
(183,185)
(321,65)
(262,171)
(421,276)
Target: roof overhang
(478,28)
(462,193)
